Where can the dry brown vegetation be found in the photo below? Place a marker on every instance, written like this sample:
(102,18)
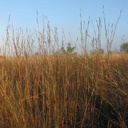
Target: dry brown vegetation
(47,90)
(56,91)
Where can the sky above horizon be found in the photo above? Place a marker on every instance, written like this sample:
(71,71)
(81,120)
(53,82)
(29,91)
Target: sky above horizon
(65,14)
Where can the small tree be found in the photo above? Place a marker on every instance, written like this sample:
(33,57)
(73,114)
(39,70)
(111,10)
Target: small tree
(69,50)
(124,47)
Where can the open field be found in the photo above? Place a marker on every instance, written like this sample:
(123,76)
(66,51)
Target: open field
(44,83)
(81,91)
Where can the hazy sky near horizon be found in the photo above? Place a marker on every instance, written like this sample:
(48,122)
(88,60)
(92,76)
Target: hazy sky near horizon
(65,14)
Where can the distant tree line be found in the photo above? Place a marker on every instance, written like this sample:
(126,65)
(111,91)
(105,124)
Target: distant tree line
(70,50)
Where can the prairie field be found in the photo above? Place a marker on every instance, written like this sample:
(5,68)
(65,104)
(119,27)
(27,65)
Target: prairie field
(52,87)
(64,91)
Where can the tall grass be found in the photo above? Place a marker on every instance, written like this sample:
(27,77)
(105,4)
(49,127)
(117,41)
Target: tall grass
(58,90)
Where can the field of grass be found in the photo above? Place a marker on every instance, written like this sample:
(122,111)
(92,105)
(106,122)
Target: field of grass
(64,91)
(40,88)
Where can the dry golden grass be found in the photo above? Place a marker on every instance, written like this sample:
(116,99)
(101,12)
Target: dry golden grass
(40,88)
(63,91)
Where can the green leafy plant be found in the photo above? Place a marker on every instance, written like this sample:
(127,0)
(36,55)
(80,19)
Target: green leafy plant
(69,50)
(124,47)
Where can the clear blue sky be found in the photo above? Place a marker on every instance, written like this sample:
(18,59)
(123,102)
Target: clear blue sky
(64,14)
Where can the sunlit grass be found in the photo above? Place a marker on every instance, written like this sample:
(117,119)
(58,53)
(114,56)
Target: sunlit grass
(56,91)
(39,88)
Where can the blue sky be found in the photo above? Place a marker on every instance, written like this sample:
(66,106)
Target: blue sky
(65,14)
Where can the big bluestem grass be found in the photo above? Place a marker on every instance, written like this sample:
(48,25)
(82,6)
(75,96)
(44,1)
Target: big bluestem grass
(41,89)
